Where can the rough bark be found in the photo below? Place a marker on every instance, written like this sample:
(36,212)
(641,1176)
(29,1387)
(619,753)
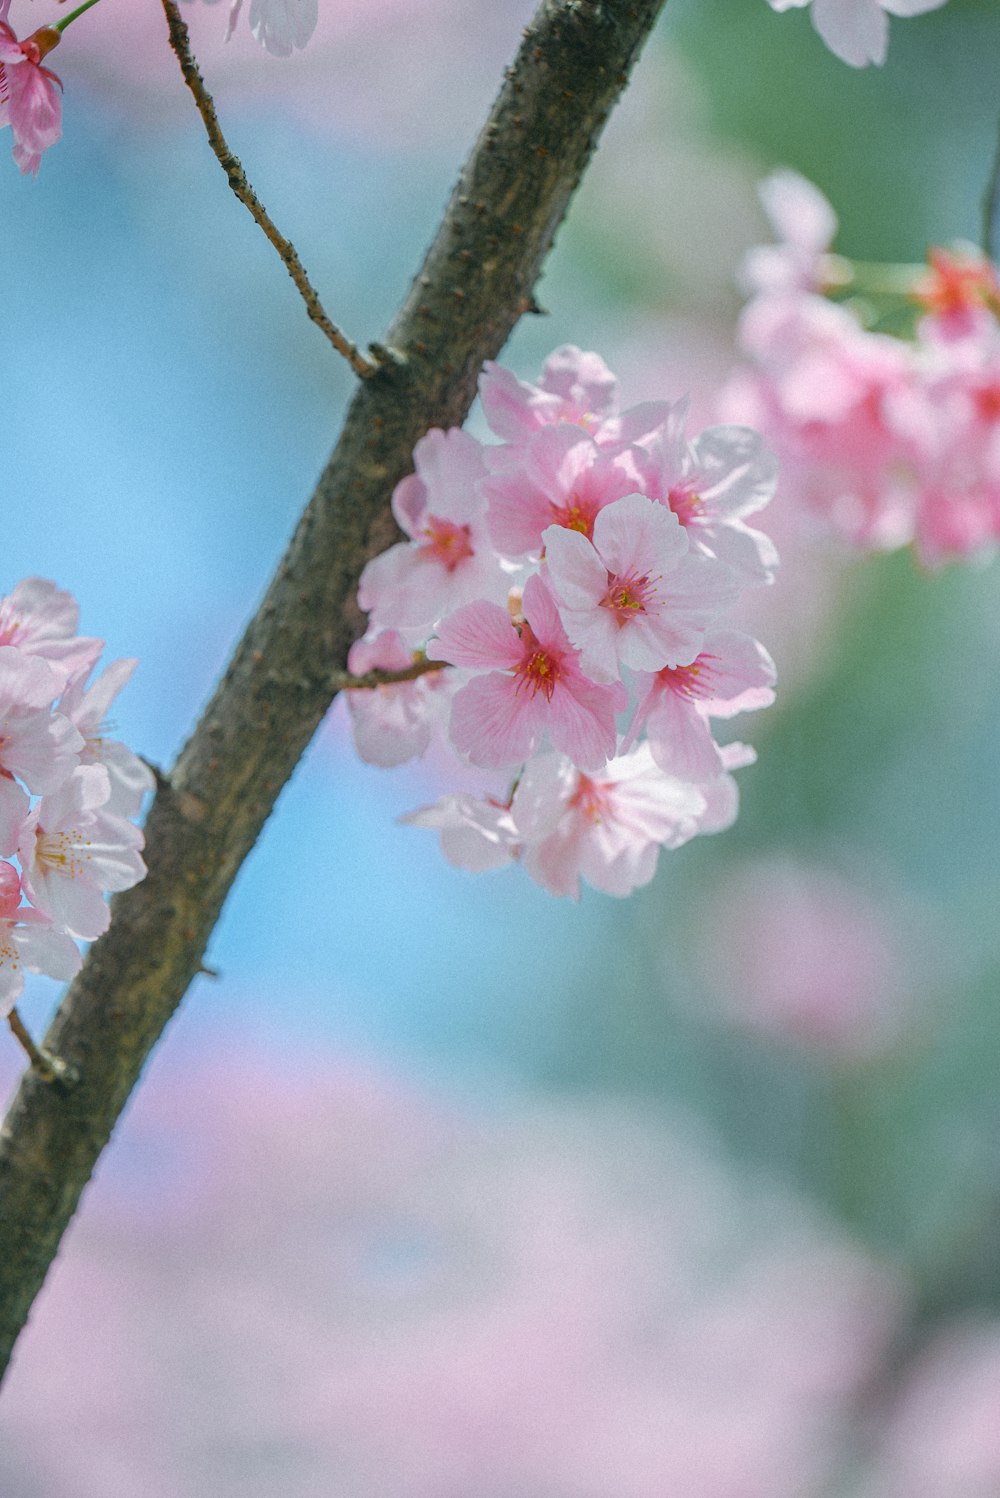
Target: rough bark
(475,283)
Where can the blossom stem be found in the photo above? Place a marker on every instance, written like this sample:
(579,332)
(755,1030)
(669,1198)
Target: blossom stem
(344,681)
(991,205)
(60,26)
(49,1067)
(181,43)
(871,277)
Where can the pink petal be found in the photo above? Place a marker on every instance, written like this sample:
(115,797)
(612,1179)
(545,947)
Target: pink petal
(478,635)
(637,533)
(578,577)
(493,724)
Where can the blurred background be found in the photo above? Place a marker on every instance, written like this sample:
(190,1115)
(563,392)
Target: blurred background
(443,1186)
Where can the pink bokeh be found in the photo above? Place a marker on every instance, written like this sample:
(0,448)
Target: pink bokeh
(299,1278)
(801,953)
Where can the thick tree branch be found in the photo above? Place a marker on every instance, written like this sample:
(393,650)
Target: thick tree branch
(237,179)
(476,281)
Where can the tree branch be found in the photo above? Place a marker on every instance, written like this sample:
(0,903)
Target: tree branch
(237,177)
(476,281)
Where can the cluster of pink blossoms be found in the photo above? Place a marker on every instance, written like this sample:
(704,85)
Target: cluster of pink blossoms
(77,841)
(584,561)
(888,440)
(29,93)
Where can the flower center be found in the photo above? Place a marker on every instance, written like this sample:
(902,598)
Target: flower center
(447,543)
(10,626)
(58,852)
(591,799)
(629,595)
(690,682)
(686,503)
(538,670)
(576,515)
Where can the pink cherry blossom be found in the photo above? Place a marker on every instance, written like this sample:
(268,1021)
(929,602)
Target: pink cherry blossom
(535,689)
(42,620)
(449,560)
(826,392)
(281,26)
(961,293)
(28,941)
(635,595)
(31,942)
(805,225)
(38,746)
(731,674)
(576,388)
(72,850)
(393,723)
(712,483)
(611,544)
(86,707)
(29,93)
(561,477)
(858,30)
(476,833)
(606,828)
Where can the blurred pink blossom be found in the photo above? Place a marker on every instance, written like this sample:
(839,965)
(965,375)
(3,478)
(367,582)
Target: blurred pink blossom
(301,1278)
(795,951)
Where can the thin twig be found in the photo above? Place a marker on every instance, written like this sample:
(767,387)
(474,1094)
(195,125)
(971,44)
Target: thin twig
(49,1067)
(181,43)
(991,205)
(343,681)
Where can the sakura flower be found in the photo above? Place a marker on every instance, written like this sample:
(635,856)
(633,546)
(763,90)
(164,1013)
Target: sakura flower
(29,941)
(731,674)
(476,834)
(824,390)
(86,707)
(561,477)
(721,793)
(39,746)
(961,293)
(536,686)
(805,224)
(71,850)
(858,30)
(393,723)
(606,828)
(42,620)
(280,26)
(712,484)
(448,560)
(29,93)
(634,596)
(575,387)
